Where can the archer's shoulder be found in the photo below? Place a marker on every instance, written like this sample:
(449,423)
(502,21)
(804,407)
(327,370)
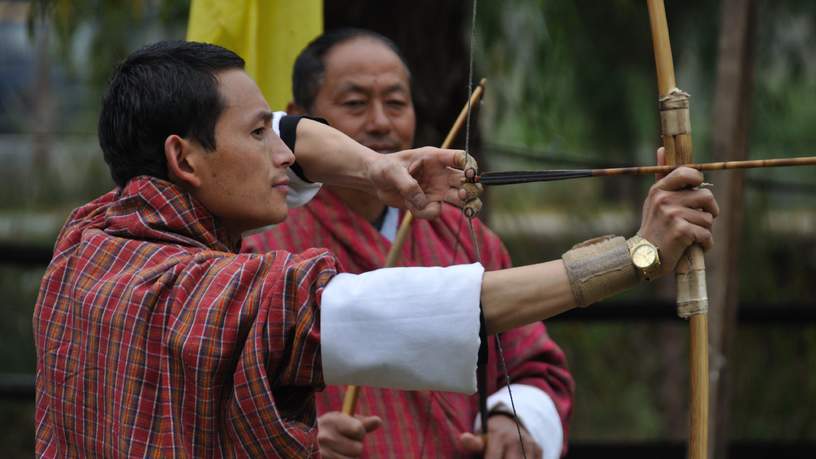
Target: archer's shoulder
(289,234)
(308,266)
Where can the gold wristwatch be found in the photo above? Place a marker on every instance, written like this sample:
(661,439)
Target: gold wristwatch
(645,257)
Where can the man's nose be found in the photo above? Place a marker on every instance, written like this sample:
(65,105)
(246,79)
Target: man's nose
(282,156)
(378,121)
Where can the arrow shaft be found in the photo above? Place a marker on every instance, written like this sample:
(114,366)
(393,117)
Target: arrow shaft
(516,177)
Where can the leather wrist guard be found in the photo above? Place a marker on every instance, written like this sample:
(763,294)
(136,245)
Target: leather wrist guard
(599,268)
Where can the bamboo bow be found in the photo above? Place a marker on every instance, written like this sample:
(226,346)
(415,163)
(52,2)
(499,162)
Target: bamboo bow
(692,298)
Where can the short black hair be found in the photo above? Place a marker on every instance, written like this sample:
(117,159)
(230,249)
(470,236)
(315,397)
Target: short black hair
(166,88)
(307,75)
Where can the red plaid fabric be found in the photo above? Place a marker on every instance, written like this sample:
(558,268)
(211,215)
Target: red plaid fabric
(422,423)
(155,339)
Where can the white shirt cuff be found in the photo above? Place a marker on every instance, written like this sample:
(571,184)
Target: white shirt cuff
(404,328)
(536,412)
(300,191)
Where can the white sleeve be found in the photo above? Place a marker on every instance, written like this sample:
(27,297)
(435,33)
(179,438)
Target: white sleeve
(536,412)
(404,328)
(300,191)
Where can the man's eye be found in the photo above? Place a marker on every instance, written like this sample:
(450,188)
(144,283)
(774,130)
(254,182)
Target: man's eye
(258,133)
(396,103)
(354,103)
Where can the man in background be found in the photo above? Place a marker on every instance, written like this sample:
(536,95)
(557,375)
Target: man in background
(359,82)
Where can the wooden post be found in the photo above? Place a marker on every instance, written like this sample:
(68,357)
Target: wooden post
(730,119)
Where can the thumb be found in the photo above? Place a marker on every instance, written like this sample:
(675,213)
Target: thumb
(370,423)
(413,194)
(408,188)
(661,161)
(471,443)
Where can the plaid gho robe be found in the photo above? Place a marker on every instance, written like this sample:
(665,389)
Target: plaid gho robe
(420,423)
(155,339)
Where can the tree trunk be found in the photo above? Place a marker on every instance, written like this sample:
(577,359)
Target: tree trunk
(42,122)
(729,142)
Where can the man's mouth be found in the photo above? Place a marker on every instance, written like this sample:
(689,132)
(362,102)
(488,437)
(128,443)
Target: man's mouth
(281,185)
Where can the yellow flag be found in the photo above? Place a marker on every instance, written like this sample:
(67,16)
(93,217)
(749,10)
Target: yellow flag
(268,34)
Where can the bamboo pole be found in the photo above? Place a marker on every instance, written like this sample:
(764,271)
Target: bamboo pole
(353,392)
(691,290)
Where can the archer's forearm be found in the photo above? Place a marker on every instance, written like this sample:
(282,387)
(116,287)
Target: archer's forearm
(519,296)
(329,156)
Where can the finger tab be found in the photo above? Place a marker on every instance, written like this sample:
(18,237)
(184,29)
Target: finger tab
(470,164)
(472,208)
(472,190)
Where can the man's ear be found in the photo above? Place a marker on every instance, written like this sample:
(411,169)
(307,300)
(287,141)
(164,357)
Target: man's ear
(181,165)
(294,109)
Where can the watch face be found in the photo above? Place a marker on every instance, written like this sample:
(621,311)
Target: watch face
(644,256)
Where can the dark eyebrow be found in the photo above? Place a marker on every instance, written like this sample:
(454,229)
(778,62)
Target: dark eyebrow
(264,115)
(398,87)
(352,87)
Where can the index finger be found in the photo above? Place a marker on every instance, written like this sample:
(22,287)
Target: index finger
(457,159)
(351,428)
(680,179)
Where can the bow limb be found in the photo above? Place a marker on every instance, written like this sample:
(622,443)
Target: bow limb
(692,298)
(353,392)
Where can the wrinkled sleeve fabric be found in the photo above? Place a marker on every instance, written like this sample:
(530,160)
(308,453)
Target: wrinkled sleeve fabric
(264,309)
(243,350)
(259,329)
(201,351)
(404,328)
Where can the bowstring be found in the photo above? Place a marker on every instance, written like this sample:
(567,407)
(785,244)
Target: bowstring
(499,350)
